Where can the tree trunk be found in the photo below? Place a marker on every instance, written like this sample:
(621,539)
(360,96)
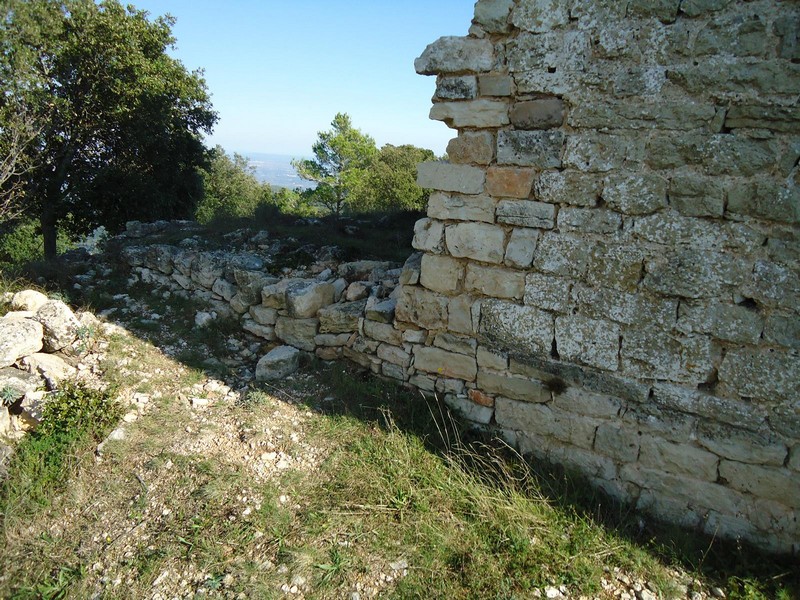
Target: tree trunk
(47,220)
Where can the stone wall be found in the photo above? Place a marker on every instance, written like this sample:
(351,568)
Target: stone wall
(610,270)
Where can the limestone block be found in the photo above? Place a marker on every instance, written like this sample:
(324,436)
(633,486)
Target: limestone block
(509,386)
(665,11)
(51,367)
(490,359)
(495,84)
(15,384)
(526,213)
(383,312)
(447,177)
(592,464)
(239,304)
(297,332)
(672,229)
(59,323)
(661,114)
(540,16)
(452,54)
(206,269)
(383,333)
(250,284)
(481,114)
(358,290)
(654,354)
(686,459)
(422,382)
(476,147)
(394,355)
(724,321)
(456,343)
(617,266)
(471,411)
(619,443)
(541,149)
(328,353)
(394,371)
(762,374)
(783,329)
(582,402)
(363,344)
(773,483)
(445,364)
(476,241)
(693,273)
(588,341)
(332,340)
(794,459)
(263,315)
(741,445)
(441,273)
(429,236)
(695,8)
(225,289)
(602,152)
(364,270)
(304,300)
(774,284)
(492,15)
(696,195)
(635,193)
(725,410)
(547,292)
(523,328)
(341,318)
(544,113)
(509,182)
(562,254)
(775,118)
(464,314)
(553,62)
(278,363)
(182,280)
(765,199)
(589,220)
(521,247)
(625,308)
(410,273)
(567,187)
(422,307)
(274,295)
(263,331)
(30,300)
(18,338)
(455,207)
(495,282)
(457,88)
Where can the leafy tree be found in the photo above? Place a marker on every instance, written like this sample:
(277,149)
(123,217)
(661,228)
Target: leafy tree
(118,122)
(230,187)
(391,181)
(342,157)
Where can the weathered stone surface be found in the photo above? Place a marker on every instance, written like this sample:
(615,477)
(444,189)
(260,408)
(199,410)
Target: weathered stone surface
(658,355)
(539,16)
(15,384)
(672,229)
(422,307)
(696,195)
(656,453)
(521,247)
(341,318)
(393,354)
(469,410)
(492,15)
(617,266)
(581,402)
(522,328)
(784,330)
(476,241)
(18,338)
(28,300)
(454,54)
(625,308)
(547,292)
(765,199)
(692,273)
(59,323)
(635,193)
(410,272)
(441,273)
(428,236)
(567,187)
(51,367)
(588,341)
(274,295)
(544,113)
(278,363)
(445,364)
(225,289)
(447,177)
(541,149)
(297,332)
(602,152)
(250,284)
(495,84)
(741,445)
(303,300)
(383,312)
(332,340)
(563,255)
(489,359)
(472,113)
(495,282)
(263,331)
(457,88)
(383,332)
(526,213)
(509,182)
(724,321)
(364,270)
(692,401)
(476,147)
(456,343)
(778,484)
(263,315)
(464,314)
(617,442)
(513,387)
(589,220)
(775,118)
(762,373)
(458,208)
(774,284)
(206,269)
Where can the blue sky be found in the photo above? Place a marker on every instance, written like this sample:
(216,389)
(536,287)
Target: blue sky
(279,71)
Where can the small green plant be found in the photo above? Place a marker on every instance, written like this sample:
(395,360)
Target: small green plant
(87,338)
(79,408)
(7,395)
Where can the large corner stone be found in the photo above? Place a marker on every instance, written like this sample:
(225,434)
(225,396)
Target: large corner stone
(18,338)
(341,318)
(445,364)
(278,363)
(447,177)
(304,300)
(481,114)
(453,54)
(477,241)
(60,325)
(299,333)
(523,328)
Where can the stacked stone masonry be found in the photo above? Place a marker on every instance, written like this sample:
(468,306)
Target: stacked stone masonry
(609,272)
(611,268)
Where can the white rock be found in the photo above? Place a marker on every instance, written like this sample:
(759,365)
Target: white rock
(28,300)
(60,325)
(278,363)
(18,338)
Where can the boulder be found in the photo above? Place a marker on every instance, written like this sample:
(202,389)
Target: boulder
(358,290)
(18,338)
(53,368)
(60,325)
(14,384)
(28,300)
(278,363)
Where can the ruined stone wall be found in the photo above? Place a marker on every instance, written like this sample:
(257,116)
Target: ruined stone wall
(611,269)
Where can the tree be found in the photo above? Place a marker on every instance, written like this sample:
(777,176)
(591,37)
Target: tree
(342,156)
(391,181)
(230,187)
(118,122)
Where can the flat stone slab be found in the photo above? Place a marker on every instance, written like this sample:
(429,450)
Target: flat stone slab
(278,363)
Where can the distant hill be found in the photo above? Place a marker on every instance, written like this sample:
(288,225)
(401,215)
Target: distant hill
(276,169)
